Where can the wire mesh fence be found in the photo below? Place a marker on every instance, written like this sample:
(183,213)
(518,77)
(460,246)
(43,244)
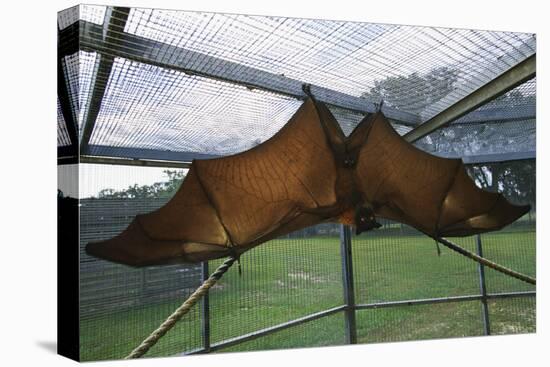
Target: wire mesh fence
(223,83)
(291,291)
(507,124)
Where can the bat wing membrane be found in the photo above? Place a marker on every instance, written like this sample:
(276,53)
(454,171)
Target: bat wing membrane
(433,194)
(233,203)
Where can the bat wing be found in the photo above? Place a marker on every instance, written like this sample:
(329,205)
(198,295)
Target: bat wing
(231,204)
(433,194)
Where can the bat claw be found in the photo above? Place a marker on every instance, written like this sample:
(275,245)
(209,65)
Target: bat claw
(379,107)
(306,87)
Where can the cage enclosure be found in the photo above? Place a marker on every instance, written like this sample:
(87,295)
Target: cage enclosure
(144,92)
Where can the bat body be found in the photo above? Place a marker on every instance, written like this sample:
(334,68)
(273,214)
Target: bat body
(308,173)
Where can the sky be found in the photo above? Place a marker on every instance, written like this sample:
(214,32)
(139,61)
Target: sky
(429,44)
(96,177)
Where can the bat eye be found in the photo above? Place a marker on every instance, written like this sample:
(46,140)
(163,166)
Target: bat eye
(349,162)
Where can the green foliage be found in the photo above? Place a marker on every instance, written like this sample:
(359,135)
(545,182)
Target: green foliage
(413,92)
(164,189)
(515,179)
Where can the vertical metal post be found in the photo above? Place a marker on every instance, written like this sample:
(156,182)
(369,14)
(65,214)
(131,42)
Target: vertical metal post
(483,289)
(205,310)
(349,293)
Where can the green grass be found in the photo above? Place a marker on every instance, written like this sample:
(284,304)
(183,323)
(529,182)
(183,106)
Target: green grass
(290,278)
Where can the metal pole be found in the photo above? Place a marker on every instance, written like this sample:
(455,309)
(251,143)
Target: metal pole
(349,293)
(205,310)
(483,289)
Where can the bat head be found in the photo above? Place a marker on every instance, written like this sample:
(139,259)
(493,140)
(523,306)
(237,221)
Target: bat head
(365,219)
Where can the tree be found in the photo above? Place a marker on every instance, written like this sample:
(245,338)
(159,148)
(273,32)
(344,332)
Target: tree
(515,180)
(412,93)
(164,189)
(415,91)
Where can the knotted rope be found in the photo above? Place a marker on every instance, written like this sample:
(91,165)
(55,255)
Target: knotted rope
(182,310)
(485,261)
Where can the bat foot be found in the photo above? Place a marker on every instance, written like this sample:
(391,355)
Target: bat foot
(306,88)
(365,220)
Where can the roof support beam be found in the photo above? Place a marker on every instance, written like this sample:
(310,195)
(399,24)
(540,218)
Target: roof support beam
(145,154)
(132,162)
(494,158)
(508,80)
(67,42)
(115,19)
(102,154)
(151,52)
(500,114)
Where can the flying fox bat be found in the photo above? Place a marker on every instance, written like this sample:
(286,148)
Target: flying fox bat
(308,173)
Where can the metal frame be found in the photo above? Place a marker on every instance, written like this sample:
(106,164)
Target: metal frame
(112,41)
(161,158)
(349,308)
(315,316)
(151,52)
(428,301)
(115,25)
(67,42)
(499,114)
(483,289)
(257,334)
(494,158)
(205,310)
(347,280)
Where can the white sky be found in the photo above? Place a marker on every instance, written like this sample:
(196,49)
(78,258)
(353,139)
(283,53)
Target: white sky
(96,177)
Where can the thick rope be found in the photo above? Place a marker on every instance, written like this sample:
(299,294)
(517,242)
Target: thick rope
(182,310)
(486,262)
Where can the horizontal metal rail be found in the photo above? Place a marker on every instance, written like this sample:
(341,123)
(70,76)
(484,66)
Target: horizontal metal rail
(269,330)
(499,114)
(492,158)
(414,302)
(146,154)
(263,332)
(130,162)
(160,158)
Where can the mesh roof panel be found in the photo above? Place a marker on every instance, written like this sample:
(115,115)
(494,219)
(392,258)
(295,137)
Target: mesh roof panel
(348,57)
(508,133)
(63,138)
(417,70)
(149,107)
(485,138)
(91,13)
(524,94)
(518,103)
(79,69)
